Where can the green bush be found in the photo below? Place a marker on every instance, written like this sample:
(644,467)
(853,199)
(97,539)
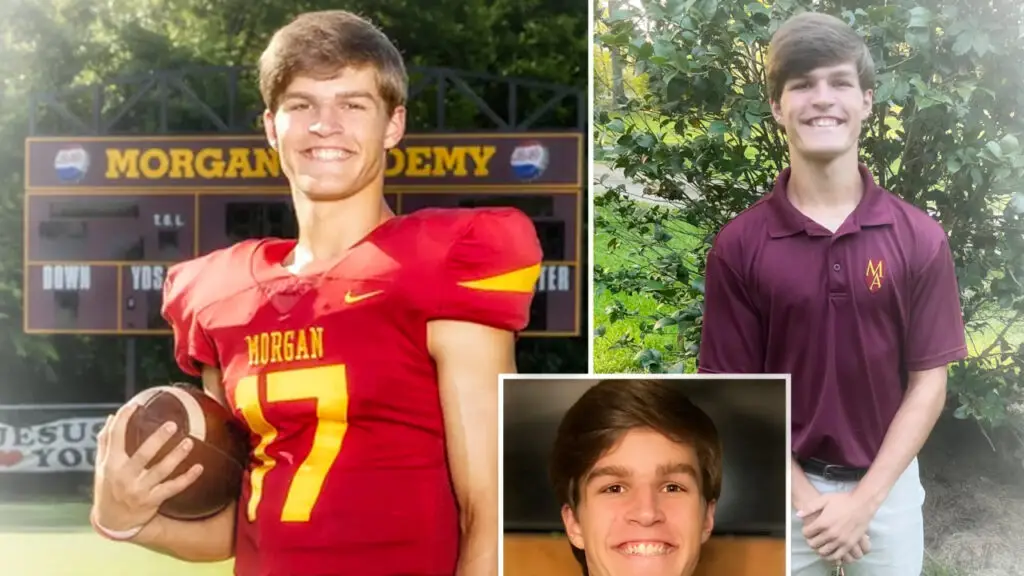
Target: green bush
(945,134)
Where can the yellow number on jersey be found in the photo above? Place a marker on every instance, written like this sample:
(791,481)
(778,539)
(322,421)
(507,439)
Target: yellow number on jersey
(329,387)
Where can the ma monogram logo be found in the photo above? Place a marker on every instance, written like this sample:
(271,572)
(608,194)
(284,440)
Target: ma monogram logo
(874,275)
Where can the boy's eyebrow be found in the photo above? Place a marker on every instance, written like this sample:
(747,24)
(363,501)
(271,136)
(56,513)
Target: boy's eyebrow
(344,94)
(677,468)
(840,73)
(620,472)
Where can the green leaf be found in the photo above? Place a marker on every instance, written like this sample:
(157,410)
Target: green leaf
(994,148)
(666,321)
(965,90)
(644,51)
(708,8)
(963,43)
(758,8)
(647,357)
(1017,202)
(977,177)
(698,285)
(718,128)
(1009,144)
(961,412)
(616,126)
(677,368)
(655,286)
(953,164)
(920,17)
(619,14)
(981,44)
(645,141)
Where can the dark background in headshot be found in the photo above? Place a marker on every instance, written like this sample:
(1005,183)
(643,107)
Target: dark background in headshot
(751,420)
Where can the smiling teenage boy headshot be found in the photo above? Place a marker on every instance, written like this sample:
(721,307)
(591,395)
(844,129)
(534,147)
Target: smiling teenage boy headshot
(638,470)
(851,290)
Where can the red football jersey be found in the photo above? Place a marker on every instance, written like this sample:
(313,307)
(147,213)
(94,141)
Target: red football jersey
(329,371)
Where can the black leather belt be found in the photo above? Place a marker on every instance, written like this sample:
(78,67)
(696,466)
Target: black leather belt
(832,471)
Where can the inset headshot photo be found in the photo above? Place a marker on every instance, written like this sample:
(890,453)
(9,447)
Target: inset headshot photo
(644,475)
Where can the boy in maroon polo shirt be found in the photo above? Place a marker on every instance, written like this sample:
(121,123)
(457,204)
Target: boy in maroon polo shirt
(853,292)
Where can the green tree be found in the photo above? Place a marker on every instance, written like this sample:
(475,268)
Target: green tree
(945,134)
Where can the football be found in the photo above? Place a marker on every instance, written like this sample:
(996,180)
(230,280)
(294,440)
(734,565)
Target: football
(219,445)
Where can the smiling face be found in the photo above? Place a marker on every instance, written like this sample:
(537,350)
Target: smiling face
(332,135)
(822,112)
(641,510)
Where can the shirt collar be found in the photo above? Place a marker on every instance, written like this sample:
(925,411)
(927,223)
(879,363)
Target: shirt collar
(874,208)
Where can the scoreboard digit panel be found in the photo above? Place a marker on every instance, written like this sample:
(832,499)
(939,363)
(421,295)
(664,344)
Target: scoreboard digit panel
(225,219)
(72,298)
(556,302)
(553,213)
(141,297)
(112,228)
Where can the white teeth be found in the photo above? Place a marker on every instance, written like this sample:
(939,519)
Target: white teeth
(824,122)
(327,154)
(646,549)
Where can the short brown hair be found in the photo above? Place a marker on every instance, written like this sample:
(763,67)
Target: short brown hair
(810,40)
(610,409)
(322,44)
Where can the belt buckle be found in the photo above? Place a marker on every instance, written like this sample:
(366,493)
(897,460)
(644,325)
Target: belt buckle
(827,474)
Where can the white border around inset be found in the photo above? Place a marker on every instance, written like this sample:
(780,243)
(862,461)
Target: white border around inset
(590,187)
(591,376)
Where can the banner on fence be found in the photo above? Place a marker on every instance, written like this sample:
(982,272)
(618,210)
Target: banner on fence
(65,445)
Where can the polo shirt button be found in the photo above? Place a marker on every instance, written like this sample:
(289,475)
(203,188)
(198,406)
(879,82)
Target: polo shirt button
(836,267)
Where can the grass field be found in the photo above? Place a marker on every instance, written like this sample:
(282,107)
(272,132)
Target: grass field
(56,540)
(609,360)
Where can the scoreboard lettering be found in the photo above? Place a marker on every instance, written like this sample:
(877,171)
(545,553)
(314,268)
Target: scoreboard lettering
(262,163)
(106,217)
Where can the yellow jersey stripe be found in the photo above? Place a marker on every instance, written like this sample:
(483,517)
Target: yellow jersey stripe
(522,280)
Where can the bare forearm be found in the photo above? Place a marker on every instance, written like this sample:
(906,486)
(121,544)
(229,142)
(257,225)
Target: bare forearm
(478,554)
(908,432)
(209,540)
(803,491)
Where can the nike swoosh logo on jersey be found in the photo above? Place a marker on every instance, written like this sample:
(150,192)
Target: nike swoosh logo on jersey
(351,298)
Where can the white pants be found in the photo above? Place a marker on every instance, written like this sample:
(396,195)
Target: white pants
(896,531)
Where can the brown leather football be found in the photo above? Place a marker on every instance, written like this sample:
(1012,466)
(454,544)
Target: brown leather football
(219,444)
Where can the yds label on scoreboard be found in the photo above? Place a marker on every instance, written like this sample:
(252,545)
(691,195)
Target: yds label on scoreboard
(106,217)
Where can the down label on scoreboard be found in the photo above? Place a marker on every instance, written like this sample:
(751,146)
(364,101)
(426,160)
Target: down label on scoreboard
(72,297)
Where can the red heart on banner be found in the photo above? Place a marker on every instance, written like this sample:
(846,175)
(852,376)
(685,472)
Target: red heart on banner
(9,458)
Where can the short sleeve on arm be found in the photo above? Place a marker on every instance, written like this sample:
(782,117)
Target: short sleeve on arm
(731,336)
(192,346)
(489,274)
(935,333)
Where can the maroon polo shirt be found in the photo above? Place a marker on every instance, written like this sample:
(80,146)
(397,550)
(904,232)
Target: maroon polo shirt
(846,314)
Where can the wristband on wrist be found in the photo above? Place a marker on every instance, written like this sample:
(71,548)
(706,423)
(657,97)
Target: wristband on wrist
(115,535)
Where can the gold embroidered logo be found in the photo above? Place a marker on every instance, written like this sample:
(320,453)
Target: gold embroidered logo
(874,275)
(351,298)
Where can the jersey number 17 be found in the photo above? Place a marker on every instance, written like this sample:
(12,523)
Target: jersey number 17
(328,386)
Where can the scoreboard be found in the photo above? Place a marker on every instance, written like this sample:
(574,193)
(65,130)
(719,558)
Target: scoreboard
(106,216)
